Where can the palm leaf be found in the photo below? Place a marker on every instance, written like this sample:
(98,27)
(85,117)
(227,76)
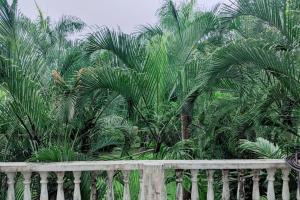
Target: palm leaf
(262,148)
(275,13)
(69,25)
(251,53)
(123,81)
(125,47)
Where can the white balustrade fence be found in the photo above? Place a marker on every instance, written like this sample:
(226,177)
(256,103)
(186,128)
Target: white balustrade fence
(152,177)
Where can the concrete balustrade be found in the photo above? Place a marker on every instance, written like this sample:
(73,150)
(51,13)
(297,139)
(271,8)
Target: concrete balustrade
(226,190)
(194,179)
(152,177)
(44,187)
(255,188)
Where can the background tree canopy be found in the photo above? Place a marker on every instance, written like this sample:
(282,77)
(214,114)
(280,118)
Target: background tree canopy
(196,85)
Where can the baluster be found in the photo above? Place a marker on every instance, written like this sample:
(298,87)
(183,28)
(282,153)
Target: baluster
(77,194)
(141,193)
(11,185)
(210,186)
(126,194)
(241,186)
(194,179)
(255,189)
(179,189)
(44,188)
(26,182)
(60,186)
(110,189)
(271,179)
(225,180)
(285,184)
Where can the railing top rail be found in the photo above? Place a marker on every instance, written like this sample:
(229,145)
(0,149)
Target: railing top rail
(138,164)
(227,164)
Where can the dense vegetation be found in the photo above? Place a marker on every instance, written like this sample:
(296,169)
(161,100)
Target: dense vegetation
(197,85)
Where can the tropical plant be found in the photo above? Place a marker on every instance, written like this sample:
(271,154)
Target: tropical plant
(196,85)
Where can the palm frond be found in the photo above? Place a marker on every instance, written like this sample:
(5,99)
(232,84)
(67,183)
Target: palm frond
(182,48)
(157,73)
(262,148)
(149,31)
(275,13)
(123,81)
(57,154)
(182,150)
(125,47)
(8,28)
(43,23)
(69,25)
(251,53)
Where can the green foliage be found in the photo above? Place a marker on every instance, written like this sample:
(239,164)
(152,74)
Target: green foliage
(192,86)
(263,149)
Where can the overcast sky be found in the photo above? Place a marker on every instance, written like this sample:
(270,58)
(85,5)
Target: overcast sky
(126,14)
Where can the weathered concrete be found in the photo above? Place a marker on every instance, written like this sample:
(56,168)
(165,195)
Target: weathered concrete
(153,182)
(152,176)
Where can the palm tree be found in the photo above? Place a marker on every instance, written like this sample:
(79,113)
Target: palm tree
(270,61)
(46,113)
(228,74)
(150,70)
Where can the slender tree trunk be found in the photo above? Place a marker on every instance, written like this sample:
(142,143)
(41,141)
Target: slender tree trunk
(130,109)
(186,121)
(242,129)
(187,115)
(158,146)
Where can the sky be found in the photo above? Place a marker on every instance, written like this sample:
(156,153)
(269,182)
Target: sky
(123,14)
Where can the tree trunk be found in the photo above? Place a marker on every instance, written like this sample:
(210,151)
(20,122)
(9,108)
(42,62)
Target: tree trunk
(130,109)
(242,129)
(186,121)
(187,115)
